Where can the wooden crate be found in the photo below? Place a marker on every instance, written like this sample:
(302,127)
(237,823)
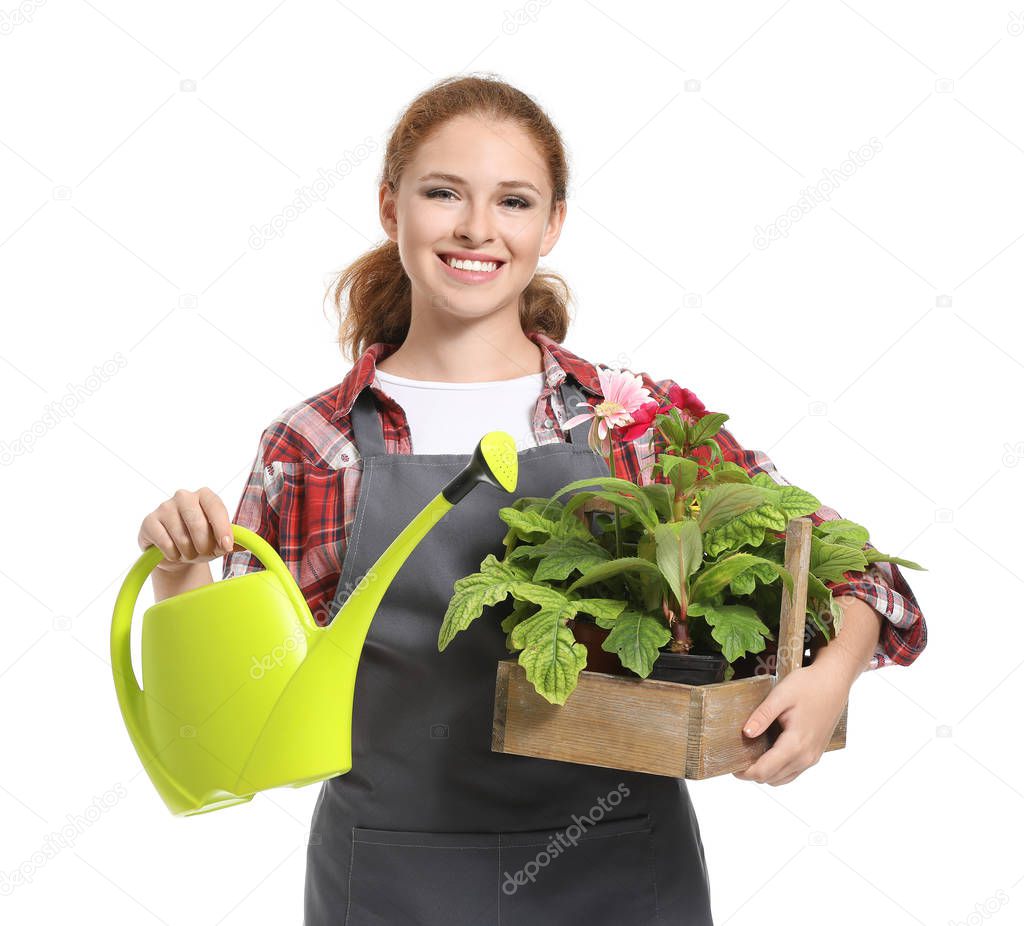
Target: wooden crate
(647,725)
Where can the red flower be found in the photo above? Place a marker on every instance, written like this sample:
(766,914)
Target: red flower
(642,419)
(691,409)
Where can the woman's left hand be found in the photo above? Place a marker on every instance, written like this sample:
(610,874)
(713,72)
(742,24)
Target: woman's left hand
(808,703)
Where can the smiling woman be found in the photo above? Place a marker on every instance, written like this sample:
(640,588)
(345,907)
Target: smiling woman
(451,317)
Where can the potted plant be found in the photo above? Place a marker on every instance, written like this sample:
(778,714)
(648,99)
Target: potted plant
(683,580)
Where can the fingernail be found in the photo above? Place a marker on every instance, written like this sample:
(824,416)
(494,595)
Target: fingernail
(749,730)
(227,543)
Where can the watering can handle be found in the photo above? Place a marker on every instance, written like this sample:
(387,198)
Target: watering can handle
(129,693)
(124,606)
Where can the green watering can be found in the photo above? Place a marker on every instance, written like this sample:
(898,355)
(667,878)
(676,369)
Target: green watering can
(244,690)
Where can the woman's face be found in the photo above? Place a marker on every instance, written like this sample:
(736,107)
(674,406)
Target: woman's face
(476,189)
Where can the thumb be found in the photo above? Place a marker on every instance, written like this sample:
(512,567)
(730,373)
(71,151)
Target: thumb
(764,714)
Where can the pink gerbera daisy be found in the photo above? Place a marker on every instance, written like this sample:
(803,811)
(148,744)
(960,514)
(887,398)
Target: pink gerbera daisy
(623,393)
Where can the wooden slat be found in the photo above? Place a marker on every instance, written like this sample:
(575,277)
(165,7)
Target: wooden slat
(792,617)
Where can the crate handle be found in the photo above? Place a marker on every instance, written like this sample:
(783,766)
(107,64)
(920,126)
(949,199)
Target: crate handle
(792,618)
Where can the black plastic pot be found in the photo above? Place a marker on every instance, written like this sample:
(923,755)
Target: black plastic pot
(689,668)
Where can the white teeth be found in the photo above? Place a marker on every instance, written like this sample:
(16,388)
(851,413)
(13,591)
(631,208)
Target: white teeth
(471,264)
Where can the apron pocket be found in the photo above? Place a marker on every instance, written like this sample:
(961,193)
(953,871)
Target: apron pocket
(431,879)
(601,873)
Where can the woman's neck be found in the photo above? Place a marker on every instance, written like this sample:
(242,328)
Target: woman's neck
(465,356)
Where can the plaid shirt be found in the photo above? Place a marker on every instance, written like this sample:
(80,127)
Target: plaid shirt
(304,484)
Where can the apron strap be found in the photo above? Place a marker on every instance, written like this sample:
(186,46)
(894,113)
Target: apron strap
(369,433)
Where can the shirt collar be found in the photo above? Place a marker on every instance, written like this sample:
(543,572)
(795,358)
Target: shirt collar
(558,364)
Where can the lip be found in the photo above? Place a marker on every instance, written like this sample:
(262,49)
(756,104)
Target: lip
(469,276)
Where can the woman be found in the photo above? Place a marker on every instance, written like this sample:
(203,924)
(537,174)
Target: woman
(455,333)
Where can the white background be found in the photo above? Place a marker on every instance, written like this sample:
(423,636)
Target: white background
(874,352)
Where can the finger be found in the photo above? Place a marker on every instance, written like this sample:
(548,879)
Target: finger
(775,760)
(762,716)
(196,524)
(179,534)
(788,778)
(158,537)
(217,516)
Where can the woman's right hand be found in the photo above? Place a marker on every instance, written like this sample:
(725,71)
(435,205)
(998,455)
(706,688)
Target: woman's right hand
(189,528)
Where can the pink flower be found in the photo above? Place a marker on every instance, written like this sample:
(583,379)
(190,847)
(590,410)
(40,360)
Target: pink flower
(623,394)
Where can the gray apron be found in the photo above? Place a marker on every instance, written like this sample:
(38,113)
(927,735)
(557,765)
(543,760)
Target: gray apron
(430,826)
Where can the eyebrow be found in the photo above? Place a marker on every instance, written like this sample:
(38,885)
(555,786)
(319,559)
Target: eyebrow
(505,184)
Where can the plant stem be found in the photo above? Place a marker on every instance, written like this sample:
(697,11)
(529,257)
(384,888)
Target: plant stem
(611,465)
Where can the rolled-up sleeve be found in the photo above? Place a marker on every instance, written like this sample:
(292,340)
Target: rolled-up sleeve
(257,509)
(904,633)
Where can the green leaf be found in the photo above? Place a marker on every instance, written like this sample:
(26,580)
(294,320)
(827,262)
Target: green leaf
(819,593)
(679,553)
(737,629)
(661,497)
(549,508)
(528,526)
(681,471)
(474,592)
(842,530)
(873,556)
(830,560)
(722,503)
(550,654)
(615,567)
(713,579)
(729,472)
(794,502)
(708,426)
(640,507)
(732,537)
(746,581)
(561,557)
(636,503)
(544,595)
(604,610)
(637,638)
(520,611)
(608,483)
(671,423)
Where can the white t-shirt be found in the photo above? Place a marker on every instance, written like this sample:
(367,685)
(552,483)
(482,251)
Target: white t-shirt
(452,417)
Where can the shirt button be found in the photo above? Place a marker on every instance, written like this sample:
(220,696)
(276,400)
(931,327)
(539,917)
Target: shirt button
(549,423)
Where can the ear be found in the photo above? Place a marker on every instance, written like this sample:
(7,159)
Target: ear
(553,229)
(388,207)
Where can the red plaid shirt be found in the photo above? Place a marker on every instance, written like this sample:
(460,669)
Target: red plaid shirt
(302,491)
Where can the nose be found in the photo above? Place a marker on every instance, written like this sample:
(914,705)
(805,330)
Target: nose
(474,223)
